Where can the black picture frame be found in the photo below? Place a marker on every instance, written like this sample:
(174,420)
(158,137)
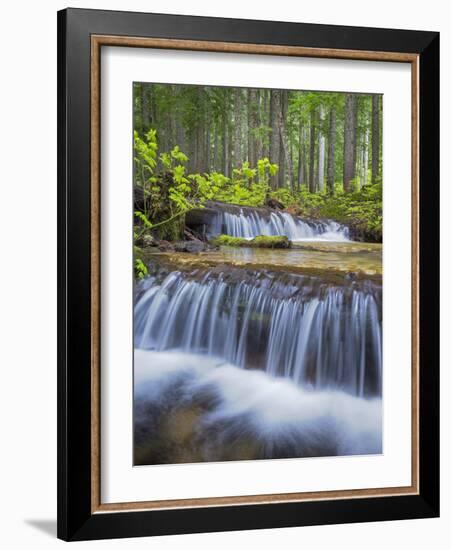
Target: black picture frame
(76,521)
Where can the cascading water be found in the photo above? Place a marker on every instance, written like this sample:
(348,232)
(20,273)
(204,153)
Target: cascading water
(248,223)
(191,408)
(312,333)
(234,364)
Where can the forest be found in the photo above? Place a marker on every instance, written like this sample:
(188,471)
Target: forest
(317,154)
(258,274)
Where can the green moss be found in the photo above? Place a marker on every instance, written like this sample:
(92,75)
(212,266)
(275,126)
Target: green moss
(227,240)
(257,242)
(271,242)
(360,210)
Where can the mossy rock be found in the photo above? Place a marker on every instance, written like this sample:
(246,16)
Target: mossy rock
(271,242)
(261,241)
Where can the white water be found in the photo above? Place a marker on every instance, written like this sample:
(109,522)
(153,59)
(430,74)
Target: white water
(324,336)
(248,224)
(235,364)
(279,417)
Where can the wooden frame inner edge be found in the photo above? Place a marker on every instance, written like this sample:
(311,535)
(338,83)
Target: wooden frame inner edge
(106,40)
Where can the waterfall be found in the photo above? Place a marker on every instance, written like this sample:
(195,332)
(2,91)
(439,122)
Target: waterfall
(295,327)
(248,223)
(191,408)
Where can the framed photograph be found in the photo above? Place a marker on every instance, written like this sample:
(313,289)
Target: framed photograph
(248,274)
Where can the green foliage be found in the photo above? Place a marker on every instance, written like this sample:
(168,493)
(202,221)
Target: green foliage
(248,186)
(169,159)
(208,121)
(141,270)
(261,241)
(284,196)
(146,155)
(169,190)
(361,209)
(168,195)
(301,199)
(204,119)
(145,221)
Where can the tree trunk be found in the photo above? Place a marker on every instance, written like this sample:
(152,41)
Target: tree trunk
(260,112)
(208,145)
(179,132)
(281,163)
(311,177)
(265,120)
(172,126)
(349,146)
(250,148)
(321,155)
(258,142)
(365,159)
(254,142)
(193,152)
(215,162)
(230,153)
(300,156)
(285,150)
(145,108)
(225,145)
(331,150)
(200,148)
(282,167)
(274,145)
(180,136)
(305,136)
(321,161)
(237,159)
(152,108)
(375,139)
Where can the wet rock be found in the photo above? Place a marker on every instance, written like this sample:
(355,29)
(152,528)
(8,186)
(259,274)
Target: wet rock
(359,231)
(271,242)
(166,246)
(191,235)
(275,204)
(236,208)
(197,220)
(200,219)
(193,247)
(148,240)
(261,241)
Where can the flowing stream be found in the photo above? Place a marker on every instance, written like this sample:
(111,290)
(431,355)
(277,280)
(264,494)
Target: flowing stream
(236,358)
(249,223)
(290,326)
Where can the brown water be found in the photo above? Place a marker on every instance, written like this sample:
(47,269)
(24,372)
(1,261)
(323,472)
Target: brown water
(347,257)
